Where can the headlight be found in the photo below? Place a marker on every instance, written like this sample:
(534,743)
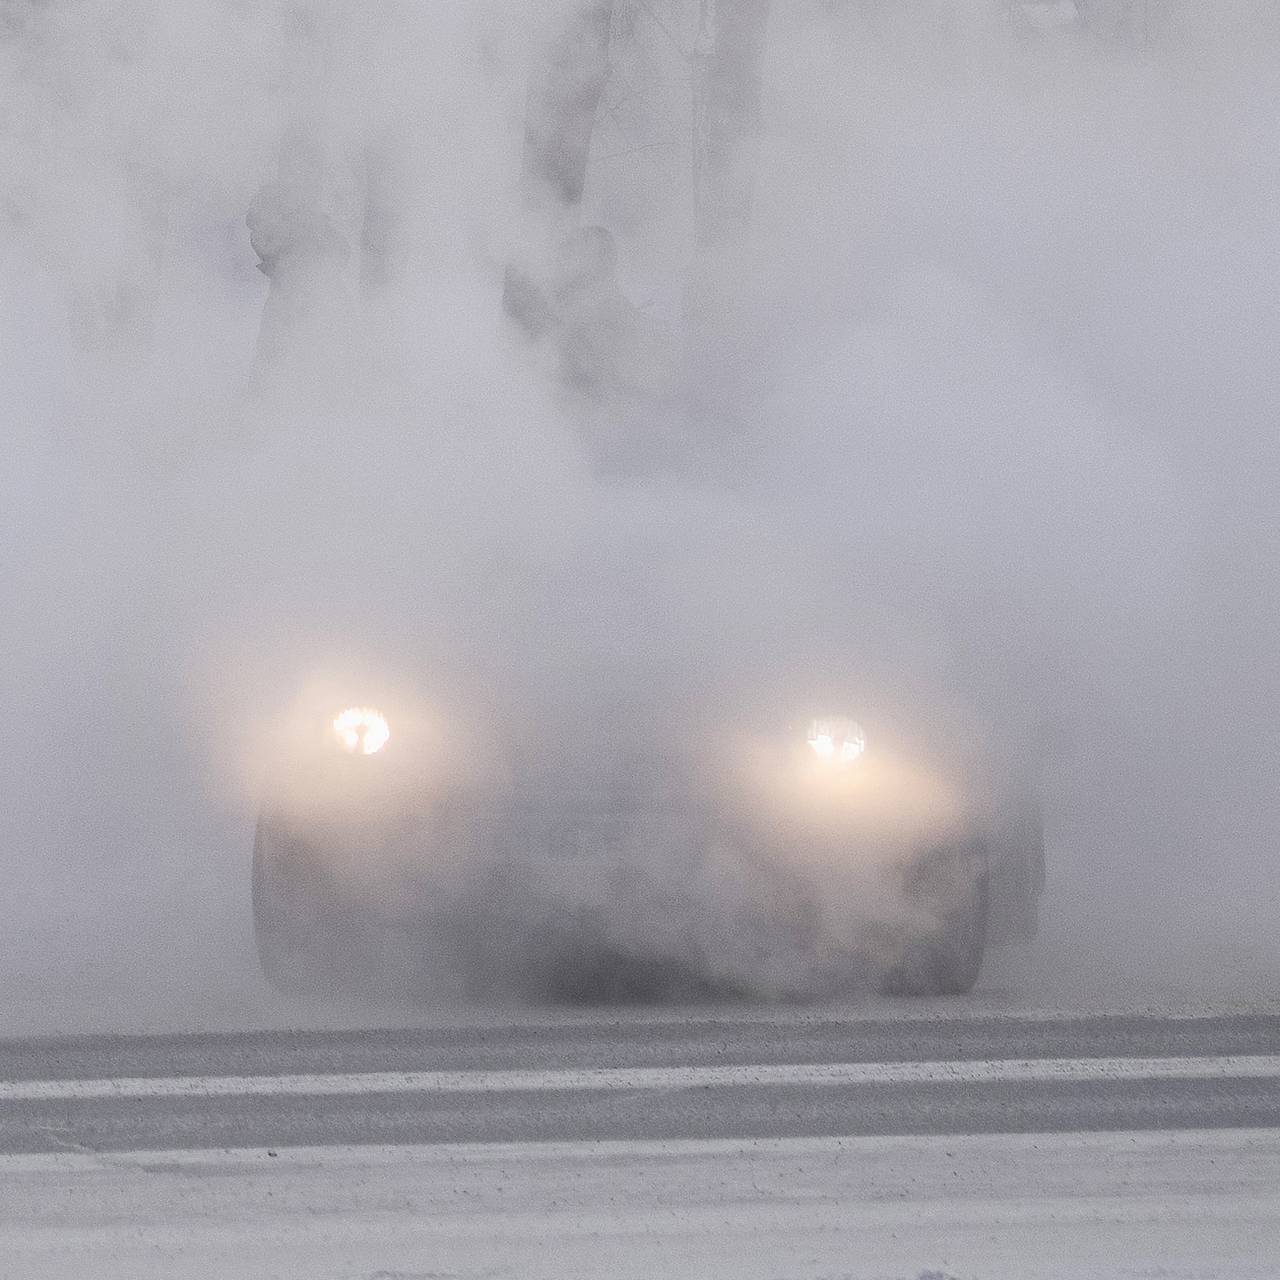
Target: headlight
(362,730)
(836,739)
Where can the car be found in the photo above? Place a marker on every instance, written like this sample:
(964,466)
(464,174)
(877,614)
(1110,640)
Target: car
(657,850)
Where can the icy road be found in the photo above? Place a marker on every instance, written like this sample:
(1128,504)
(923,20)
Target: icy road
(744,1144)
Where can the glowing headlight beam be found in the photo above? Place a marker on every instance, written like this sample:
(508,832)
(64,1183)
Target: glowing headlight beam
(362,730)
(836,739)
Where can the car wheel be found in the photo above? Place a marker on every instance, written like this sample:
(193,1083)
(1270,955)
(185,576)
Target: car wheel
(950,888)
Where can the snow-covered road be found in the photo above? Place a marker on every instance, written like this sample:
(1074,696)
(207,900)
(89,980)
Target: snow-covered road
(801,1144)
(995,1206)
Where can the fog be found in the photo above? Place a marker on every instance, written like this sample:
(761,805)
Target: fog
(981,411)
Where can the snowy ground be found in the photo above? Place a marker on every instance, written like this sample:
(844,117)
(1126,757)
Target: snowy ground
(995,1207)
(778,1144)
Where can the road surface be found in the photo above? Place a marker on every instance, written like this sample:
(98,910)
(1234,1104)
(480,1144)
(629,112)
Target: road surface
(746,1144)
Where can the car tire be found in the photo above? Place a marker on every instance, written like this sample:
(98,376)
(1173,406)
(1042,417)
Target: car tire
(952,886)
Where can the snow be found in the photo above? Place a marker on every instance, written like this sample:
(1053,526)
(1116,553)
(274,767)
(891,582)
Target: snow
(997,1206)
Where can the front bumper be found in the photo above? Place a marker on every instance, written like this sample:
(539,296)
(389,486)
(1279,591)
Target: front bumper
(663,874)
